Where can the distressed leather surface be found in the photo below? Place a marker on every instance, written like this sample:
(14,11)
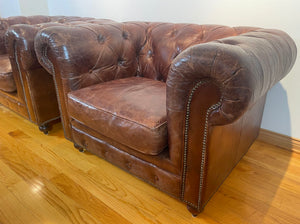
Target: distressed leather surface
(216,76)
(245,67)
(7,82)
(5,23)
(21,37)
(35,87)
(124,49)
(93,53)
(124,108)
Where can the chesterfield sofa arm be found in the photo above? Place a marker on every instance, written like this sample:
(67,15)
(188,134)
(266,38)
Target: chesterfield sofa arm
(215,85)
(177,105)
(244,68)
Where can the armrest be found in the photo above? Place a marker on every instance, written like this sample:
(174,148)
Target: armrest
(20,43)
(66,46)
(36,22)
(244,68)
(216,83)
(19,39)
(5,23)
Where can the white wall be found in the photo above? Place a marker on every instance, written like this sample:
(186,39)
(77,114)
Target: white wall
(282,111)
(33,7)
(23,7)
(124,10)
(9,8)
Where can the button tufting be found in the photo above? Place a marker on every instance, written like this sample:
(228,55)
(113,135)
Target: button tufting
(121,61)
(125,35)
(174,33)
(101,38)
(158,77)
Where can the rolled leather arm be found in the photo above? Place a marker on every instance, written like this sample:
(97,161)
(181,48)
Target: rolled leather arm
(21,37)
(20,40)
(66,48)
(244,67)
(5,23)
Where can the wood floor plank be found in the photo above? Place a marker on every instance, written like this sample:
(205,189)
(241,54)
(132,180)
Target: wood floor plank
(14,212)
(7,176)
(43,179)
(32,197)
(270,192)
(51,203)
(83,197)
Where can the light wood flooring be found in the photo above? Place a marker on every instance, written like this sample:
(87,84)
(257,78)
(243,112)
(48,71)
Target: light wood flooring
(44,180)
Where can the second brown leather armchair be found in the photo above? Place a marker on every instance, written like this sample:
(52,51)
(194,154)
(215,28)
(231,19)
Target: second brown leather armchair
(25,86)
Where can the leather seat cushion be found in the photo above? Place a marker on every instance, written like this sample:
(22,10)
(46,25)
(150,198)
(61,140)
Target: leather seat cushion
(7,82)
(130,111)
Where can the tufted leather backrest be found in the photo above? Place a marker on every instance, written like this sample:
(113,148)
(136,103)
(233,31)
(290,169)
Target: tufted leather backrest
(142,49)
(164,41)
(115,54)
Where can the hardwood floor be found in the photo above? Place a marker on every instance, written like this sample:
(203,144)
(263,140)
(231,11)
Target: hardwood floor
(43,179)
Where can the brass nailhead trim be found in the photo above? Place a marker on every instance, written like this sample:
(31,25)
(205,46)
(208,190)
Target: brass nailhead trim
(45,53)
(213,107)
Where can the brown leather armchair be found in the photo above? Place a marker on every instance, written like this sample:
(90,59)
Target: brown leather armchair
(25,86)
(11,93)
(177,105)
